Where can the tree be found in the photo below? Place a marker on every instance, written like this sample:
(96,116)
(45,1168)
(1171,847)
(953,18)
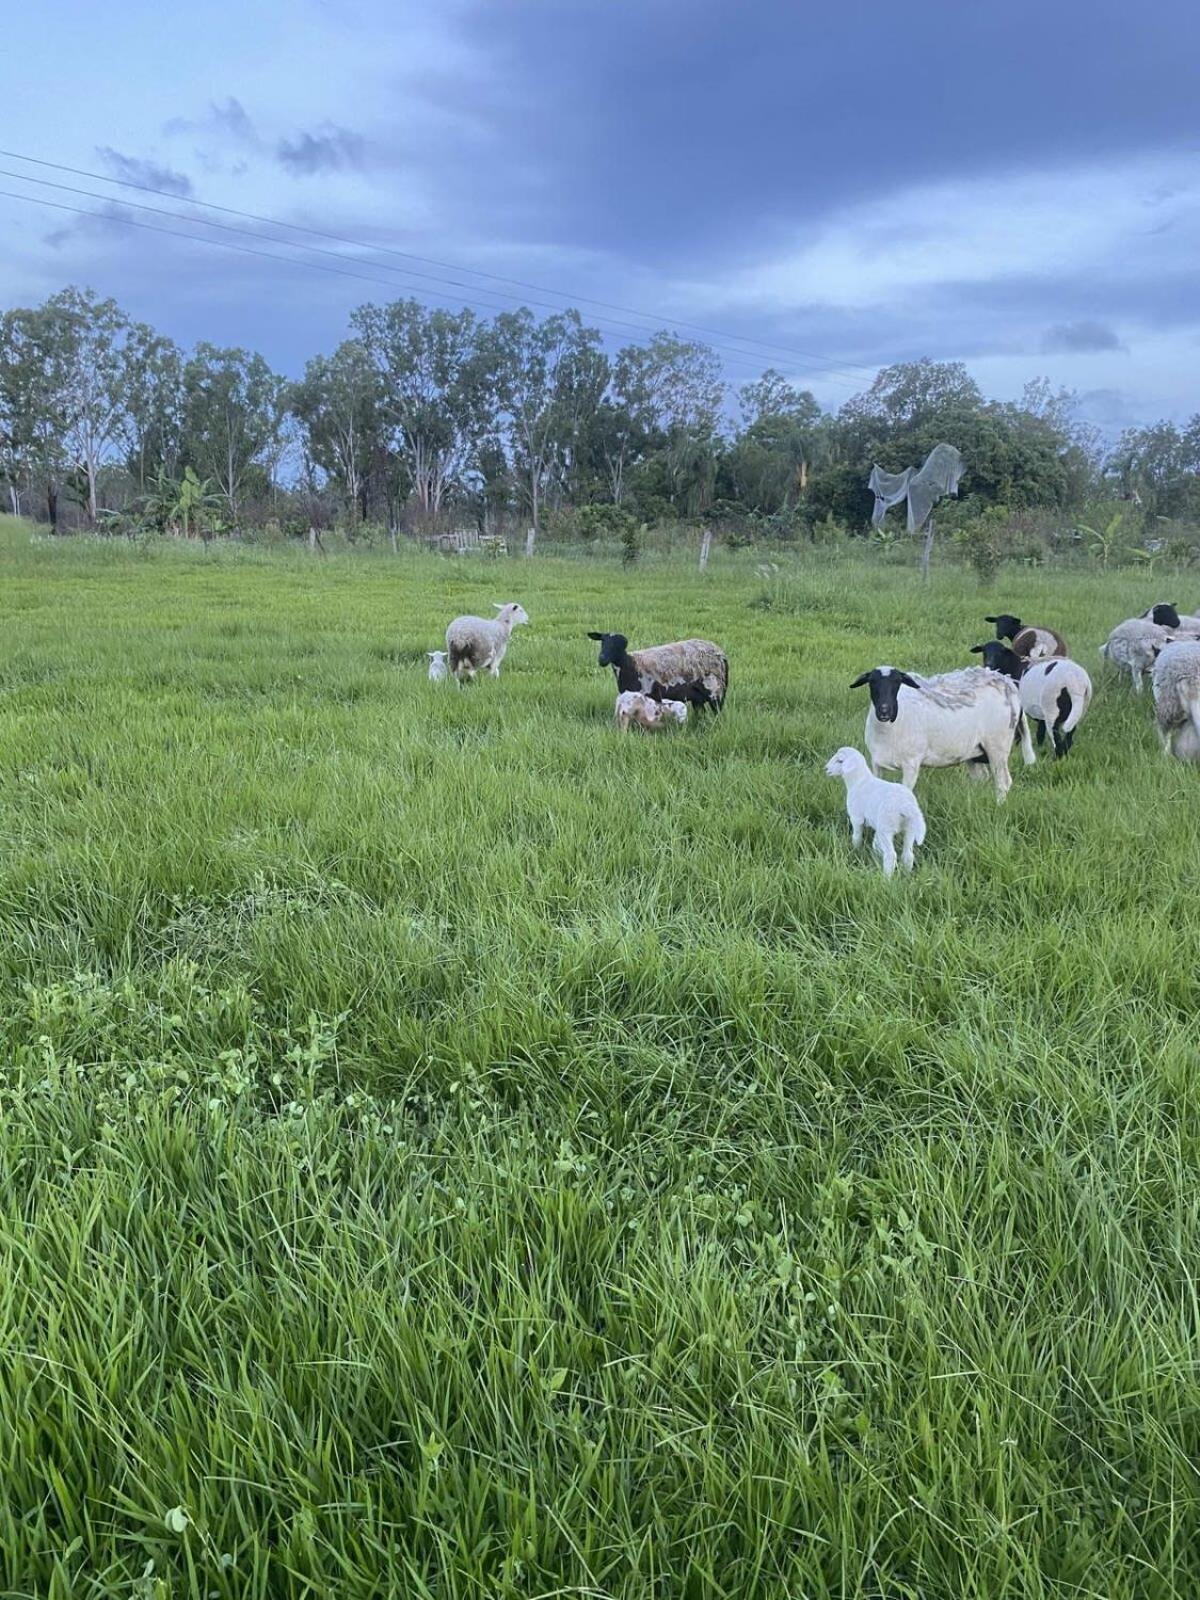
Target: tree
(233,412)
(547,378)
(1159,466)
(784,434)
(32,422)
(432,387)
(92,365)
(337,403)
(153,405)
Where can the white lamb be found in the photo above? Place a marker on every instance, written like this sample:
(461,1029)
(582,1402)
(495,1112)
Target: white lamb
(473,643)
(968,716)
(888,809)
(438,670)
(1055,695)
(1176,681)
(1134,645)
(640,709)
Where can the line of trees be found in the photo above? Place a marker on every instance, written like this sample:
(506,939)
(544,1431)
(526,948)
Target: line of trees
(421,417)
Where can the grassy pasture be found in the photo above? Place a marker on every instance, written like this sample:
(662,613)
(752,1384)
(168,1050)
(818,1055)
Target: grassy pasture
(450,1150)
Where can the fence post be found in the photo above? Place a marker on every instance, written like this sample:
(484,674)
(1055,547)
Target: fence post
(705,547)
(927,550)
(530,541)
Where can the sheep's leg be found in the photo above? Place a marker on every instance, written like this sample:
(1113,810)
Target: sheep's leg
(885,849)
(856,832)
(908,774)
(907,859)
(1027,754)
(1168,739)
(1039,728)
(1136,674)
(998,761)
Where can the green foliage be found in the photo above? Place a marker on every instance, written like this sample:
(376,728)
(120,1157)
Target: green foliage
(985,541)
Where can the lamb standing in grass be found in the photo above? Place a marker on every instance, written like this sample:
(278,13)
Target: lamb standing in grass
(473,643)
(1176,681)
(888,809)
(965,716)
(647,712)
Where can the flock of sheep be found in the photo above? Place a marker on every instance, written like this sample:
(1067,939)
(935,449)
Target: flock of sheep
(971,716)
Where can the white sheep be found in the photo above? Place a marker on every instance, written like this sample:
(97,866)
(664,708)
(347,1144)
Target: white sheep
(438,670)
(1134,645)
(1167,616)
(888,809)
(1176,681)
(968,716)
(1055,696)
(473,643)
(646,712)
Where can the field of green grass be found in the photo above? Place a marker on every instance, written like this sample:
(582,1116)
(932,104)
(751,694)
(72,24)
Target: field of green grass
(448,1149)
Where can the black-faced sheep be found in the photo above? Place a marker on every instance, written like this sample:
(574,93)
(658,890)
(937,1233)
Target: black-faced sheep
(959,717)
(688,661)
(1031,643)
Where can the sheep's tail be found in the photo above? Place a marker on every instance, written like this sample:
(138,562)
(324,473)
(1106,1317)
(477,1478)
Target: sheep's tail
(1027,751)
(914,827)
(1072,712)
(1193,710)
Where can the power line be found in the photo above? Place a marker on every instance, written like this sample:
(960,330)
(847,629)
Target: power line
(738,357)
(847,369)
(249,233)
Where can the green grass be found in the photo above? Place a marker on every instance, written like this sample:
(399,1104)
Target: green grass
(450,1150)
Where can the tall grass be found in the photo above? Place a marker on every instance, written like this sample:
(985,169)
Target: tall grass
(449,1149)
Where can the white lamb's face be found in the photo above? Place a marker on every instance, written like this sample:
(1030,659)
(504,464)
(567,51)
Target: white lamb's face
(513,613)
(841,762)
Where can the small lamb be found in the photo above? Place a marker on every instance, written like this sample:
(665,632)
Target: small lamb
(888,809)
(438,670)
(633,707)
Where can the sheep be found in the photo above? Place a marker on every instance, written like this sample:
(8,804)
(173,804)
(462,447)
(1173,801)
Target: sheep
(888,809)
(1031,642)
(438,670)
(970,715)
(1134,644)
(473,643)
(997,657)
(1167,616)
(1055,695)
(688,661)
(648,713)
(1176,681)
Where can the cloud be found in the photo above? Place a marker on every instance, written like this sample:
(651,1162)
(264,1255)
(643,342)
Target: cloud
(229,120)
(1078,337)
(331,149)
(145,174)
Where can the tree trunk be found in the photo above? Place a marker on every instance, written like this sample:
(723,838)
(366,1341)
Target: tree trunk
(927,550)
(530,541)
(92,512)
(705,547)
(52,505)
(14,499)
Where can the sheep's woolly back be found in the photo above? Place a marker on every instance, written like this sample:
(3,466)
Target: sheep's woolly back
(954,691)
(1176,681)
(685,661)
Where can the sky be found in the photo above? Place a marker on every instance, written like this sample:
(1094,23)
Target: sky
(821,189)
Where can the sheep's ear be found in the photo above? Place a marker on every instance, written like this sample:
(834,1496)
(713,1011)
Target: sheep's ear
(991,619)
(858,682)
(910,683)
(978,649)
(595,636)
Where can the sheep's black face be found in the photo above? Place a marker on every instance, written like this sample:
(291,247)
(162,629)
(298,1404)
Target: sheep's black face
(999,658)
(1007,627)
(612,647)
(885,684)
(1166,616)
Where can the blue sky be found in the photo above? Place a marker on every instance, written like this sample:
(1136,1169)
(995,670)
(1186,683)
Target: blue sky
(829,188)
